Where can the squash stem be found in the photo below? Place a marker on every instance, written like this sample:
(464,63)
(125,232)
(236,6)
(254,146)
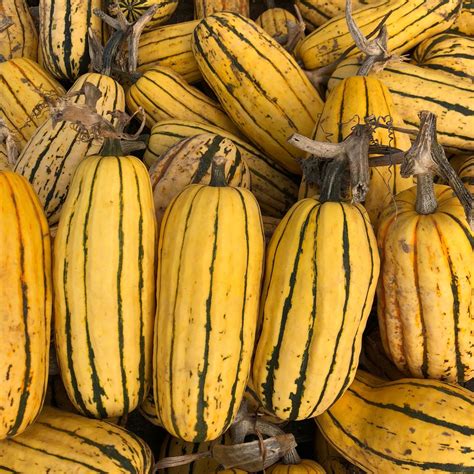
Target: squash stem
(112,147)
(218,178)
(332,182)
(425,195)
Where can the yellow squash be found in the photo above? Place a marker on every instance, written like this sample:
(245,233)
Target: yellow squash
(407,426)
(425,304)
(170,46)
(20,39)
(409,23)
(316,12)
(448,52)
(53,153)
(321,272)
(63,35)
(164,94)
(348,104)
(210,263)
(415,88)
(22,86)
(466,173)
(134,9)
(104,282)
(259,84)
(25,309)
(203,8)
(273,186)
(189,162)
(61,442)
(306,466)
(330,459)
(465,21)
(276,22)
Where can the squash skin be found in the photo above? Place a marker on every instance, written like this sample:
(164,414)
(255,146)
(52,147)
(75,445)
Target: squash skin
(275,22)
(408,425)
(63,36)
(414,88)
(267,103)
(21,38)
(465,21)
(425,302)
(52,155)
(106,238)
(20,81)
(307,466)
(353,99)
(62,442)
(295,382)
(25,312)
(410,22)
(204,8)
(189,162)
(466,173)
(134,9)
(273,186)
(221,227)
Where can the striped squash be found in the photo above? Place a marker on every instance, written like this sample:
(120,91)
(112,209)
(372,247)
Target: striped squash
(347,104)
(170,46)
(210,299)
(20,39)
(274,188)
(409,23)
(415,88)
(306,466)
(259,84)
(61,442)
(189,162)
(21,82)
(148,410)
(321,272)
(465,21)
(275,21)
(330,459)
(164,94)
(404,426)
(448,52)
(204,8)
(315,12)
(63,35)
(25,311)
(425,304)
(106,239)
(134,9)
(52,155)
(176,447)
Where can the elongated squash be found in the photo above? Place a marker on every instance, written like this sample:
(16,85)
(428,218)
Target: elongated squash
(25,311)
(425,305)
(134,9)
(306,466)
(330,459)
(52,155)
(148,410)
(259,84)
(409,23)
(404,426)
(170,46)
(22,83)
(164,94)
(189,162)
(350,102)
(20,39)
(210,299)
(415,88)
(315,12)
(465,21)
(106,240)
(274,188)
(63,35)
(204,8)
(466,173)
(276,21)
(448,52)
(320,275)
(62,442)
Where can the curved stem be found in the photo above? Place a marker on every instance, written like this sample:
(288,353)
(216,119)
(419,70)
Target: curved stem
(332,182)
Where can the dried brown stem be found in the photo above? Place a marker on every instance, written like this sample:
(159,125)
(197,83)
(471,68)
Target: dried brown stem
(10,145)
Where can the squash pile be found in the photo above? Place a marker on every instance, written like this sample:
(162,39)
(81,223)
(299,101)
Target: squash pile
(227,225)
